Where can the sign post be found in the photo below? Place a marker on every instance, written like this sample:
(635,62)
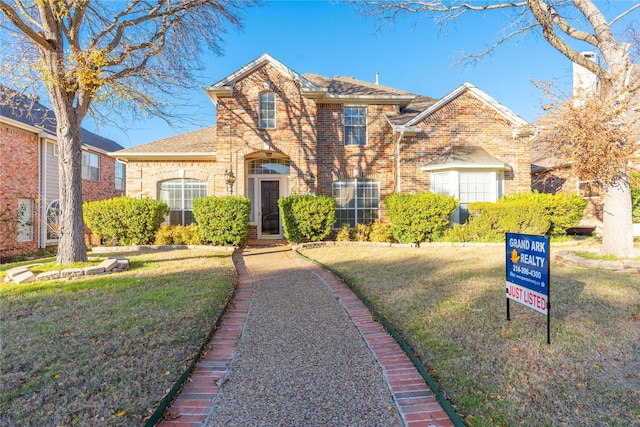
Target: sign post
(527,273)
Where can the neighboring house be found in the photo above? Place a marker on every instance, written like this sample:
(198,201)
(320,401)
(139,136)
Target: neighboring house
(552,174)
(29,194)
(278,132)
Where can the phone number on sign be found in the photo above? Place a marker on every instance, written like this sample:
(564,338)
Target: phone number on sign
(527,271)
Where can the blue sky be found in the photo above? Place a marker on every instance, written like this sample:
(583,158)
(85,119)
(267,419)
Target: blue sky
(332,38)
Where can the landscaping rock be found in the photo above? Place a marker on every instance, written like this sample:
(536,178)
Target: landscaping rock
(24,277)
(15,272)
(611,265)
(71,272)
(90,271)
(108,264)
(48,275)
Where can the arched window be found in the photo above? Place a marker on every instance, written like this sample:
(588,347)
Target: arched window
(179,195)
(358,201)
(53,220)
(267,111)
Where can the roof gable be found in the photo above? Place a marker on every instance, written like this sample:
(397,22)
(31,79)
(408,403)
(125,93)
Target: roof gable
(224,87)
(517,121)
(198,144)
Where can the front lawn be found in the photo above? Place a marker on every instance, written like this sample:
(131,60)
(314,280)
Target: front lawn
(450,306)
(103,350)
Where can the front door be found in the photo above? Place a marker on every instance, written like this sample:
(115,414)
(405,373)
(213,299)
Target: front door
(270,214)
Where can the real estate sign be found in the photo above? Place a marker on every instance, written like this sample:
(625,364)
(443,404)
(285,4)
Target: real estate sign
(528,273)
(528,270)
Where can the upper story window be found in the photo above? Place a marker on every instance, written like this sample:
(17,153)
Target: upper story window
(267,111)
(355,125)
(119,172)
(90,166)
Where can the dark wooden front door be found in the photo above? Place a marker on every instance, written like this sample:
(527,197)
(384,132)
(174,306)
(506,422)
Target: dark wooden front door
(269,194)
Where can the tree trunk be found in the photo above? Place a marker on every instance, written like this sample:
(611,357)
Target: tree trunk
(617,226)
(71,244)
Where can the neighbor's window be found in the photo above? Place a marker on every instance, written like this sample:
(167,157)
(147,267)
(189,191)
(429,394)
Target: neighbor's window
(355,125)
(119,172)
(90,166)
(179,195)
(589,189)
(25,220)
(358,201)
(53,220)
(267,111)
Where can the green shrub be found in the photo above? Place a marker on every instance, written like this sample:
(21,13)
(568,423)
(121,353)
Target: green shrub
(361,232)
(416,218)
(307,218)
(178,235)
(635,196)
(488,222)
(381,232)
(344,235)
(125,220)
(527,213)
(562,210)
(224,220)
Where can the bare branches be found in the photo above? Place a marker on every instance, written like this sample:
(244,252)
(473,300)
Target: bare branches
(623,14)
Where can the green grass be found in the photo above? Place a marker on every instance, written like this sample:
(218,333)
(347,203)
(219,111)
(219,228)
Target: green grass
(450,306)
(104,350)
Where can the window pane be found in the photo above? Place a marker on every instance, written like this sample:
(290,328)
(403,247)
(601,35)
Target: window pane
(179,195)
(267,110)
(355,125)
(358,201)
(269,167)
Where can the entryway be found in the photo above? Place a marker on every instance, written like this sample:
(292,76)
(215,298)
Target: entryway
(267,181)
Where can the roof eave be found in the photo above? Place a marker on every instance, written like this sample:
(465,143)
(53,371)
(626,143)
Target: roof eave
(454,166)
(403,101)
(165,156)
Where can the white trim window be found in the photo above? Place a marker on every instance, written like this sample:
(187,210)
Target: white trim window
(25,220)
(358,201)
(267,110)
(355,125)
(53,221)
(468,186)
(119,175)
(179,195)
(90,166)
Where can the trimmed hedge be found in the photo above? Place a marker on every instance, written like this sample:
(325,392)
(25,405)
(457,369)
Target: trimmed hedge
(528,213)
(224,220)
(178,235)
(125,220)
(421,217)
(307,218)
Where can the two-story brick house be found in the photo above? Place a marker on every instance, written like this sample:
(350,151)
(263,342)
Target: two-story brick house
(29,191)
(278,132)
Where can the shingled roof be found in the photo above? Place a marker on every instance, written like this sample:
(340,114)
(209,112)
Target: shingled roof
(196,144)
(29,111)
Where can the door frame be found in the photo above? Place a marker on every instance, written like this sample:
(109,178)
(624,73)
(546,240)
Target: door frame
(257,199)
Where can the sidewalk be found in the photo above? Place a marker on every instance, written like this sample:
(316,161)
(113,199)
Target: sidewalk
(299,349)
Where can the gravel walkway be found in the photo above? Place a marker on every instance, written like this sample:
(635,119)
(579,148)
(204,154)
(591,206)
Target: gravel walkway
(300,361)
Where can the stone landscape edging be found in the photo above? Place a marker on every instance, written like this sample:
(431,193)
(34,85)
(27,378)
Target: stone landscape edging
(22,274)
(136,248)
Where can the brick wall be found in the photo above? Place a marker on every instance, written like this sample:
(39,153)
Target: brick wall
(18,179)
(467,121)
(143,176)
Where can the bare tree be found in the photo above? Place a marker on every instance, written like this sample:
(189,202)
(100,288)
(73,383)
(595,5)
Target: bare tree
(100,57)
(565,24)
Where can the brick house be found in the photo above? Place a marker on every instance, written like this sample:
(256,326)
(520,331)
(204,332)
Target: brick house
(29,173)
(278,132)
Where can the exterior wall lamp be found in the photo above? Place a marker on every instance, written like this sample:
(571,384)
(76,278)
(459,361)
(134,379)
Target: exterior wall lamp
(230,179)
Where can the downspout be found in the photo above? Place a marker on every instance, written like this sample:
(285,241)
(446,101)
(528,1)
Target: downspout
(41,191)
(400,138)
